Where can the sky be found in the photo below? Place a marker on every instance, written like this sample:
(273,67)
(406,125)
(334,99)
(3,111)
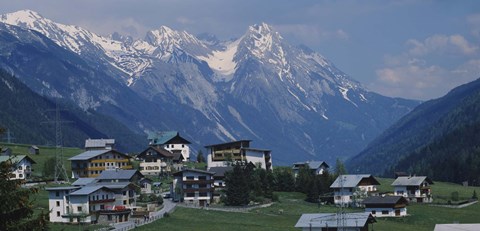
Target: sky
(415,49)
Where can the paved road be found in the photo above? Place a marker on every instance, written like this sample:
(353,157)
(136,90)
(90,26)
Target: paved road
(168,207)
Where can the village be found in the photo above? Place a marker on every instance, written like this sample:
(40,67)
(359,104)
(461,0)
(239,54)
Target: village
(107,189)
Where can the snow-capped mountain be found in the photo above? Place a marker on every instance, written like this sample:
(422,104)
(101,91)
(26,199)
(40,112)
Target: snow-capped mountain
(287,98)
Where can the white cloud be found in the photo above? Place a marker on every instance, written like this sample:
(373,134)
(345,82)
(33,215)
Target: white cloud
(311,34)
(453,44)
(420,72)
(126,26)
(185,20)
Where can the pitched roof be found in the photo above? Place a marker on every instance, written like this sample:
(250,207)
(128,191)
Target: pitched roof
(411,181)
(158,138)
(83,181)
(115,185)
(16,159)
(220,171)
(158,151)
(385,200)
(229,143)
(193,170)
(87,190)
(119,174)
(457,227)
(319,220)
(93,153)
(61,188)
(311,164)
(351,181)
(98,143)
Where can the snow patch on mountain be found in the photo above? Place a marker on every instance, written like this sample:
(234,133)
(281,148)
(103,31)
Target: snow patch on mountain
(344,92)
(8,84)
(222,62)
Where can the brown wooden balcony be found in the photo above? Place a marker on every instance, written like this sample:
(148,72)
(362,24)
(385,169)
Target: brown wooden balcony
(101,201)
(192,190)
(198,181)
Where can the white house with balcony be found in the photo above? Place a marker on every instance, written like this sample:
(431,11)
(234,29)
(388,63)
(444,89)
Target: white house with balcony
(226,154)
(171,141)
(352,189)
(99,144)
(414,188)
(386,206)
(155,161)
(22,166)
(105,199)
(317,167)
(193,186)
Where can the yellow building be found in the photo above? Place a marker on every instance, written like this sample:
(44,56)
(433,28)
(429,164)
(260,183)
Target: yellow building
(92,163)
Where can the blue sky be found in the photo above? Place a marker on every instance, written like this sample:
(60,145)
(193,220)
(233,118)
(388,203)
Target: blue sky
(410,49)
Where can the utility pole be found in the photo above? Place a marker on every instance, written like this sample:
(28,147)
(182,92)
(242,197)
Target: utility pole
(60,171)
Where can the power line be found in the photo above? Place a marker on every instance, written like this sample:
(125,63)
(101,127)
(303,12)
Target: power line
(60,171)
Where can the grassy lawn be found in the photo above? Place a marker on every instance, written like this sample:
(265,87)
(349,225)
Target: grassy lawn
(45,154)
(284,214)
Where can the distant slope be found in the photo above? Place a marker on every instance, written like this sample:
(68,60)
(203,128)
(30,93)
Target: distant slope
(29,117)
(440,138)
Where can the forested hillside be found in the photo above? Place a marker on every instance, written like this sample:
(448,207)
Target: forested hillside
(30,117)
(436,139)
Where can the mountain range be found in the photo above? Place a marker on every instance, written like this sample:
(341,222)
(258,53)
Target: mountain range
(439,138)
(286,98)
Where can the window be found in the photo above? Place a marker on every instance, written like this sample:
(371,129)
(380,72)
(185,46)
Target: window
(183,145)
(20,167)
(109,217)
(202,186)
(124,193)
(79,208)
(202,177)
(57,193)
(190,177)
(124,202)
(58,203)
(102,207)
(20,175)
(190,194)
(374,212)
(203,194)
(58,213)
(385,212)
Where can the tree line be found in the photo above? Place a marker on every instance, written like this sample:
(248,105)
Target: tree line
(246,183)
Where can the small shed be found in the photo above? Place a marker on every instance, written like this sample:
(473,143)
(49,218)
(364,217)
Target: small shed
(34,150)
(6,152)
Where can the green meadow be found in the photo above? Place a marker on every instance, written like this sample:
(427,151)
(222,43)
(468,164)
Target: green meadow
(284,214)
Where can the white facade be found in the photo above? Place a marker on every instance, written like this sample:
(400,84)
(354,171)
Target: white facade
(66,206)
(258,158)
(387,212)
(58,204)
(414,195)
(154,167)
(23,170)
(184,149)
(351,195)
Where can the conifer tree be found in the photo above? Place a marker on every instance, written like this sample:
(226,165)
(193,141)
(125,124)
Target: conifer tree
(16,207)
(237,188)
